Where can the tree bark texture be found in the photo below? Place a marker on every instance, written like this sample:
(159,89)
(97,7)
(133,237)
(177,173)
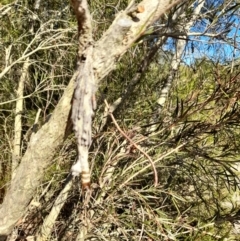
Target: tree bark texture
(124,31)
(180,46)
(16,156)
(83,99)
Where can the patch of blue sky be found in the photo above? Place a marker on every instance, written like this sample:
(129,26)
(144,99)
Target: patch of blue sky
(216,49)
(202,43)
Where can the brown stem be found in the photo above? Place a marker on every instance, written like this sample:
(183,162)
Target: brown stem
(136,146)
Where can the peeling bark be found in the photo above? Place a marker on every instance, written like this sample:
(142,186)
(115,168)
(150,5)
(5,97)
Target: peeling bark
(123,32)
(82,106)
(44,144)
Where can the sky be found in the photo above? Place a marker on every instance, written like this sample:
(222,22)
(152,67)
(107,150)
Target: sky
(222,50)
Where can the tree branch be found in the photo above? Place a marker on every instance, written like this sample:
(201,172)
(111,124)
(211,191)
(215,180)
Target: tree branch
(44,144)
(18,119)
(136,146)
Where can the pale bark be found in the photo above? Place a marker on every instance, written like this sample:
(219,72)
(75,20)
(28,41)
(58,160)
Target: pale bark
(123,32)
(49,222)
(180,46)
(143,66)
(44,144)
(40,152)
(83,99)
(16,155)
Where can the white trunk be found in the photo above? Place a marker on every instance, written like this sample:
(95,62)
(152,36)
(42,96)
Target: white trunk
(180,46)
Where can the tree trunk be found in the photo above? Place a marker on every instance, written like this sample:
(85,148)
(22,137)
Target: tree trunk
(127,27)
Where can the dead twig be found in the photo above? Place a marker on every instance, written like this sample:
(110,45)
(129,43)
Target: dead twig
(135,145)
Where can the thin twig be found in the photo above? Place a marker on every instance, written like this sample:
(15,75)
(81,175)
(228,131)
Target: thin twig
(49,221)
(16,155)
(136,146)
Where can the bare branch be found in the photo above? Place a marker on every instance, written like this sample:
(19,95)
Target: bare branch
(180,45)
(49,222)
(136,146)
(38,156)
(120,36)
(49,43)
(123,32)
(82,106)
(16,155)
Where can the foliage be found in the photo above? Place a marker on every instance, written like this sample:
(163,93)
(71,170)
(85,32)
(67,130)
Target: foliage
(195,147)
